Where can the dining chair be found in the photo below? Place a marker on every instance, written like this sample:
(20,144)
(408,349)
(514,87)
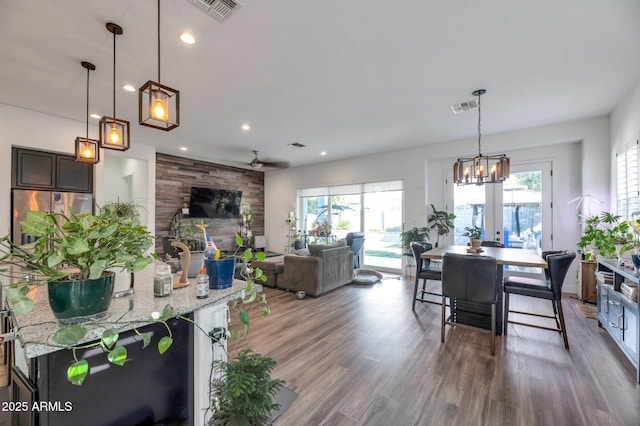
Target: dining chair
(491,243)
(470,278)
(424,273)
(549,288)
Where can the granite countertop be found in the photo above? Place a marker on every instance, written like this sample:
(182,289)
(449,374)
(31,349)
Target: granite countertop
(40,324)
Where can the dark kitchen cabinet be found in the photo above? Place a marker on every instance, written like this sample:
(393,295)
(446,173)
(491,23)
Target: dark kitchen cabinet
(49,170)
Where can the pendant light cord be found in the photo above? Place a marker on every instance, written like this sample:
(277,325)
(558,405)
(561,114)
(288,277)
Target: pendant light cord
(114,74)
(158,41)
(87,116)
(479,133)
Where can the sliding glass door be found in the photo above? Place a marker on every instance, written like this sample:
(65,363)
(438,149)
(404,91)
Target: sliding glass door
(330,213)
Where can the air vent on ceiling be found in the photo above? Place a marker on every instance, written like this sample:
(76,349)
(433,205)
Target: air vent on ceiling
(219,9)
(296,145)
(464,106)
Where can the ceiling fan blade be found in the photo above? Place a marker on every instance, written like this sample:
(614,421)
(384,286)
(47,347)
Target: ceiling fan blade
(276,164)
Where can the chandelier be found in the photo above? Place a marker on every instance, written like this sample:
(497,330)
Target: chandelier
(481,169)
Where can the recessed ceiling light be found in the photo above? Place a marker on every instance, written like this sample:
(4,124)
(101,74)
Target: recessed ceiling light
(184,148)
(98,116)
(245,127)
(323,153)
(129,88)
(187,38)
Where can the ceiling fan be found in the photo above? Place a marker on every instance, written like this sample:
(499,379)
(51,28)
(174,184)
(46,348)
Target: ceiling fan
(257,163)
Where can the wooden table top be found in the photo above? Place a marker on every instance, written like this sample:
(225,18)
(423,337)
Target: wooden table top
(504,256)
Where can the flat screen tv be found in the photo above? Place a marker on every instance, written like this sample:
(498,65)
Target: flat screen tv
(214,203)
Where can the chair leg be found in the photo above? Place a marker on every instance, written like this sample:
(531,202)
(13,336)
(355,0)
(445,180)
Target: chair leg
(556,314)
(562,325)
(493,329)
(444,313)
(415,294)
(505,314)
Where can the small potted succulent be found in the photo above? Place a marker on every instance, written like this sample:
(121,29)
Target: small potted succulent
(475,234)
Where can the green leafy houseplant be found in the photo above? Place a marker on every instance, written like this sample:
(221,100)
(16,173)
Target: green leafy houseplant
(89,245)
(413,234)
(243,392)
(604,232)
(441,221)
(473,232)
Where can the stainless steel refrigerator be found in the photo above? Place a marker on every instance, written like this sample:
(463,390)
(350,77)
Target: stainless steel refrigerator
(45,201)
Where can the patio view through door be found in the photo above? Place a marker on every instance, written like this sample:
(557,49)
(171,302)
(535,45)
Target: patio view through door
(517,212)
(330,213)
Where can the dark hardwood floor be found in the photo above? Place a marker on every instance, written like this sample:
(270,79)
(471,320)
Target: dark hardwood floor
(360,356)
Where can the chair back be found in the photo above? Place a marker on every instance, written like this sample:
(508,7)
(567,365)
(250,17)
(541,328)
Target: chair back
(355,241)
(490,243)
(546,254)
(469,277)
(418,247)
(558,265)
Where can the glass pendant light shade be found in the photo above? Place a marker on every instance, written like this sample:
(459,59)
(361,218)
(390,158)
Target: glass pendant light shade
(114,132)
(87,150)
(481,169)
(158,105)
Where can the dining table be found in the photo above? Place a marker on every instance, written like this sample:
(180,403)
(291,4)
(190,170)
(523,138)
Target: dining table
(479,314)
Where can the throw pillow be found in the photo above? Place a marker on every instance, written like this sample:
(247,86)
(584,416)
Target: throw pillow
(314,249)
(302,252)
(340,243)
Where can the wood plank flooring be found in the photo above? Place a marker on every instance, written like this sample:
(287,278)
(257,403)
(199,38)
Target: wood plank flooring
(360,356)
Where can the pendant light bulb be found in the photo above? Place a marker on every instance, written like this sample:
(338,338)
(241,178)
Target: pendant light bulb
(159,105)
(114,135)
(87,150)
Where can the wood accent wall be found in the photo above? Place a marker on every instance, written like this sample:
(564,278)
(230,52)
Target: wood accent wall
(176,175)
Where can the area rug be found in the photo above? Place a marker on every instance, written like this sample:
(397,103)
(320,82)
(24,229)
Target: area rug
(285,398)
(588,310)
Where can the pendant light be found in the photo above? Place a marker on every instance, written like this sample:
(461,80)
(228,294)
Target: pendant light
(87,150)
(481,169)
(158,105)
(114,132)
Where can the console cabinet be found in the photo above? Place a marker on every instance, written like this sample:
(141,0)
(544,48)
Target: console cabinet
(617,313)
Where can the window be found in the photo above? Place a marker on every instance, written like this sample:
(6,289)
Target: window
(330,213)
(627,180)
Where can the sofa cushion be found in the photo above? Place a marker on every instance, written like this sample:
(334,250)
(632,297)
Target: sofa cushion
(315,249)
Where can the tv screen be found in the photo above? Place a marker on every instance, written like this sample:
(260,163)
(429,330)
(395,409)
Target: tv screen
(214,203)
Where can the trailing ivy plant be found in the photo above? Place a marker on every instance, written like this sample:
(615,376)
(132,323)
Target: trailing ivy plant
(71,336)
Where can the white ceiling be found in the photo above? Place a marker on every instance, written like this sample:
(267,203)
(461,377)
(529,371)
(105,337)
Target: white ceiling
(350,78)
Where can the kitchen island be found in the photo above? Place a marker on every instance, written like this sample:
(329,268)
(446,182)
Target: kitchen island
(150,388)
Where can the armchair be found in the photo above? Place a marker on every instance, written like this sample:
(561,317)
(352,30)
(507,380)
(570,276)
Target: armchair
(355,241)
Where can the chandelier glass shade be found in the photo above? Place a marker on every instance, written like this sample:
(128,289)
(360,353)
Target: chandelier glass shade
(114,132)
(87,150)
(158,105)
(481,169)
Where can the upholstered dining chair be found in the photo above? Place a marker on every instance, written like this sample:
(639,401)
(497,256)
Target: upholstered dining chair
(424,273)
(550,288)
(491,243)
(469,278)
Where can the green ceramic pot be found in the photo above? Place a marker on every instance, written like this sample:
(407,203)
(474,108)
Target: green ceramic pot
(220,273)
(75,301)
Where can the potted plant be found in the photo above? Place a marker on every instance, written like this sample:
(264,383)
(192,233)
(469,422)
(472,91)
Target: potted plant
(606,234)
(441,221)
(123,280)
(72,254)
(243,391)
(193,235)
(413,234)
(221,270)
(475,234)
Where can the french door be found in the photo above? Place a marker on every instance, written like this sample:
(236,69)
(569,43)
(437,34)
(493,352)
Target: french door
(516,213)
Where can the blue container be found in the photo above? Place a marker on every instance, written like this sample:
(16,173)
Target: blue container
(220,273)
(636,261)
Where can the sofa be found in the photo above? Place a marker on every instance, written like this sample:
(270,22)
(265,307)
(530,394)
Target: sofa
(325,268)
(272,268)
